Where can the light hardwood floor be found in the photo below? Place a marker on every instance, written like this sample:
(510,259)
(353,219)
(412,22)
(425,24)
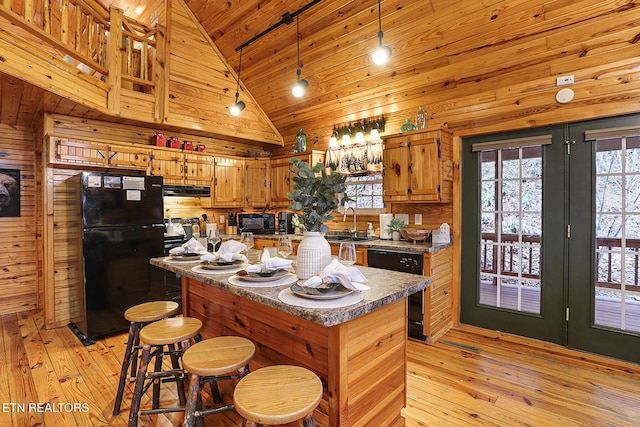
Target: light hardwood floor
(471,377)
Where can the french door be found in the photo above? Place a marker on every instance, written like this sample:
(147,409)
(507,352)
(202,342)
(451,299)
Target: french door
(513,204)
(551,235)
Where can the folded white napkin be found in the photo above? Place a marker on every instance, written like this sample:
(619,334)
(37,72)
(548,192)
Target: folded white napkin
(229,251)
(269,264)
(338,273)
(192,246)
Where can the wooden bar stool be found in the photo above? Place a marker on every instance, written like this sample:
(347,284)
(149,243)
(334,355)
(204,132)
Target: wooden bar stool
(175,333)
(278,394)
(213,360)
(139,315)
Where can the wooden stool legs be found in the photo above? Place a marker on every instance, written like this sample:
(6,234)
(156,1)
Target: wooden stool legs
(130,360)
(308,421)
(155,378)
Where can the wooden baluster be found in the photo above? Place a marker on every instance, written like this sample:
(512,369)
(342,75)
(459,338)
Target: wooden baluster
(114,79)
(100,47)
(144,71)
(29,10)
(46,16)
(78,35)
(64,21)
(90,34)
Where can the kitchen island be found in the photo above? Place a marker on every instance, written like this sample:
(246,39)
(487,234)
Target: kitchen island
(358,351)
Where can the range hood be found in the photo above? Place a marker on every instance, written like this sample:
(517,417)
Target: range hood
(186,191)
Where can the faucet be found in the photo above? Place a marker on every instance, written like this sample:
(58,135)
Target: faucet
(354,230)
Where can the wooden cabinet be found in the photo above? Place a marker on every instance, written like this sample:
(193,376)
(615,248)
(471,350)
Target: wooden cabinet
(418,167)
(256,192)
(67,151)
(280,178)
(182,168)
(228,188)
(438,303)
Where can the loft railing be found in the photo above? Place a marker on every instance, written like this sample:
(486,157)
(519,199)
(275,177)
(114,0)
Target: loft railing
(511,265)
(79,31)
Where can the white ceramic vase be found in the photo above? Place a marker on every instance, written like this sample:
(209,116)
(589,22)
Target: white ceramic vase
(395,235)
(314,253)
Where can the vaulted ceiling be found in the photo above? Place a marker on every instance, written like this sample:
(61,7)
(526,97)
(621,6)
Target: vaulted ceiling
(473,65)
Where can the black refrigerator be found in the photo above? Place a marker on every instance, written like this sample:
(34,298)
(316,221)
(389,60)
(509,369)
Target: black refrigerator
(122,229)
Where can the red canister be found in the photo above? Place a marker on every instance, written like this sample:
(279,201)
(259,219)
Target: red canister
(201,147)
(159,140)
(188,145)
(173,142)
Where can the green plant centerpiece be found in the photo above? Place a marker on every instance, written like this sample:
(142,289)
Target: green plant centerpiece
(316,194)
(395,225)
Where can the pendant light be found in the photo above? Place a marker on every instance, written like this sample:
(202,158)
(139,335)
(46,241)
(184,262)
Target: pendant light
(237,108)
(382,54)
(301,85)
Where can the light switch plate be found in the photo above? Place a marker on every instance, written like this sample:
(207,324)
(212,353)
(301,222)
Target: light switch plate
(221,219)
(418,219)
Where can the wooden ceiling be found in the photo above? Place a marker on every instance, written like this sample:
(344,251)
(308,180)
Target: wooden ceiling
(486,65)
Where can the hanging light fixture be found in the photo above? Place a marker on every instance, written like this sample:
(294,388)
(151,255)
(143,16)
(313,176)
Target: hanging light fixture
(333,140)
(359,133)
(237,108)
(301,85)
(382,54)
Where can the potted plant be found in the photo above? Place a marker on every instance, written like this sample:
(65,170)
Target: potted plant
(395,225)
(316,195)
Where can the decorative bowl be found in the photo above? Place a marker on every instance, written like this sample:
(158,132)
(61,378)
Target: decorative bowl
(415,234)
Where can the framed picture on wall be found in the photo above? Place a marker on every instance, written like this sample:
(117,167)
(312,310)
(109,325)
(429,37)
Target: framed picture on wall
(9,192)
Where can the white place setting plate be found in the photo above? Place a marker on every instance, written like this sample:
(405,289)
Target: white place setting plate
(261,277)
(287,279)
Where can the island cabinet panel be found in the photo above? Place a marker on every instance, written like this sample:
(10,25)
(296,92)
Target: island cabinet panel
(361,362)
(438,301)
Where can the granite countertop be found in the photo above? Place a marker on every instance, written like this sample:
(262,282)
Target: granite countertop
(386,288)
(401,245)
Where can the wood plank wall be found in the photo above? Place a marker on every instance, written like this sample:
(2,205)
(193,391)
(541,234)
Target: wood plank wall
(19,278)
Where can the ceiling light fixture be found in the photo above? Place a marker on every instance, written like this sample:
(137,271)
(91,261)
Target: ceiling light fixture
(301,85)
(237,108)
(383,53)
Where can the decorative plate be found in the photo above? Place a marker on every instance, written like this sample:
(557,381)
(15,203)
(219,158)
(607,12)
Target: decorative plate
(221,265)
(336,290)
(261,277)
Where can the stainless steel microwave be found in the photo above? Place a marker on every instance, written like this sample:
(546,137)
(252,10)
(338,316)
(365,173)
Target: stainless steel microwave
(257,223)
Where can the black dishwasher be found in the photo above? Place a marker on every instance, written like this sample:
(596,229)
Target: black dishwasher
(406,262)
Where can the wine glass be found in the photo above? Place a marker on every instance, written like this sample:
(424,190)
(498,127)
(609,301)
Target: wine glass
(347,253)
(285,247)
(213,238)
(246,238)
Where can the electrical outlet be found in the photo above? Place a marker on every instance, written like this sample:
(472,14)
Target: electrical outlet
(221,219)
(564,80)
(418,219)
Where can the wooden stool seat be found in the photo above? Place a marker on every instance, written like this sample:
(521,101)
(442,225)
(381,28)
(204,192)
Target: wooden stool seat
(218,356)
(139,315)
(170,331)
(210,361)
(151,311)
(278,394)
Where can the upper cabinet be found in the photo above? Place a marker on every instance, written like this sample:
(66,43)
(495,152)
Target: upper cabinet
(418,167)
(182,168)
(256,183)
(229,175)
(280,178)
(67,151)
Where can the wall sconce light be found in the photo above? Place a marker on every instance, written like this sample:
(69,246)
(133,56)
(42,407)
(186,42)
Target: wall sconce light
(371,127)
(383,53)
(301,85)
(238,106)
